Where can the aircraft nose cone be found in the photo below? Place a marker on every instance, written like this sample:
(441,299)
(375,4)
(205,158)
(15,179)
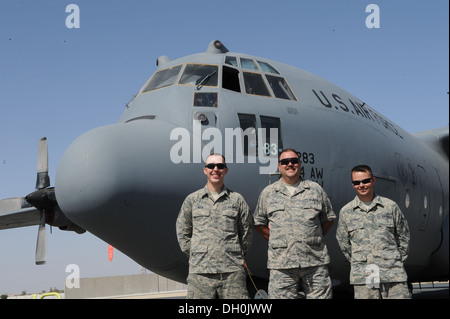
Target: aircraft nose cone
(85,175)
(112,168)
(119,183)
(113,172)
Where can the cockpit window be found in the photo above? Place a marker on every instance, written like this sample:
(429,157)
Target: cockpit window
(280,87)
(230,79)
(163,78)
(231,60)
(266,67)
(249,64)
(200,75)
(254,84)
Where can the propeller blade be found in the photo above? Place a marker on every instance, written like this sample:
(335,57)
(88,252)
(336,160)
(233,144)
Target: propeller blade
(43,180)
(41,244)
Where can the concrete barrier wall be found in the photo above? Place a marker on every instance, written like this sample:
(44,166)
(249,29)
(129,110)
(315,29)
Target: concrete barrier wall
(119,286)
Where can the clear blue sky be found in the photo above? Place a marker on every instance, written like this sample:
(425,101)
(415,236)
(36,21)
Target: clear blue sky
(59,82)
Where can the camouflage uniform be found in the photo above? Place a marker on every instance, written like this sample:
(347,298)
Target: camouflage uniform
(375,240)
(296,240)
(215,234)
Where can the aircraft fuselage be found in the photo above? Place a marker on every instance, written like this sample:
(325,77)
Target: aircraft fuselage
(125,182)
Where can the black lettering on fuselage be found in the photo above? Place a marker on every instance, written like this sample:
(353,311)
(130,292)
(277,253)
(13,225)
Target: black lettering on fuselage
(339,100)
(358,109)
(328,104)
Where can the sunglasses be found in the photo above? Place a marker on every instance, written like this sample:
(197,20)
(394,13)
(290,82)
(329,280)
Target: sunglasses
(286,161)
(364,181)
(213,165)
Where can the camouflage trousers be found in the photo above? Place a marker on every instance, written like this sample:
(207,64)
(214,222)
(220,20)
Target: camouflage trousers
(390,290)
(285,283)
(223,286)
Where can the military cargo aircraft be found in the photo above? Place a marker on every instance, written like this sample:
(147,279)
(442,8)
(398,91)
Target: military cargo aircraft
(125,182)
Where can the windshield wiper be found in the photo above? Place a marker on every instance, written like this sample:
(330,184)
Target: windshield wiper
(205,79)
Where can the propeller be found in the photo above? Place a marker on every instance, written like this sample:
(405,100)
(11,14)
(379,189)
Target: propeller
(43,198)
(42,180)
(41,243)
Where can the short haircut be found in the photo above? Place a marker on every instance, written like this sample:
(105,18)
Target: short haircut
(215,154)
(289,150)
(362,168)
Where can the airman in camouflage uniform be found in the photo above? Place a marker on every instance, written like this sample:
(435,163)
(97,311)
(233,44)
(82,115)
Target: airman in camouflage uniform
(374,236)
(214,228)
(294,215)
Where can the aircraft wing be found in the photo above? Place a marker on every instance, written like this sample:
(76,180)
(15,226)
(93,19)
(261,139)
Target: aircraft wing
(16,212)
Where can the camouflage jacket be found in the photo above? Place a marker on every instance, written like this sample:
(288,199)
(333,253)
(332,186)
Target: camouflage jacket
(214,234)
(296,238)
(374,237)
